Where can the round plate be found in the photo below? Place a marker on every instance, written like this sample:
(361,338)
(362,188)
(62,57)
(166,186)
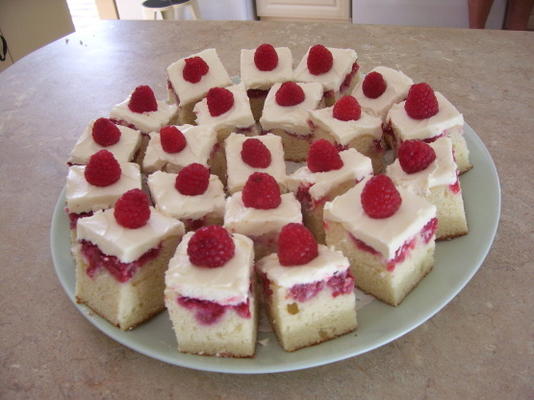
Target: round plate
(455,264)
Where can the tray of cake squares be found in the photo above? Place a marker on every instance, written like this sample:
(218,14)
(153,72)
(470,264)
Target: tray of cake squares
(283,219)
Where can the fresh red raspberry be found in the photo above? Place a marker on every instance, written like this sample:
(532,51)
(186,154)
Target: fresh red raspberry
(265,57)
(132,209)
(415,156)
(347,108)
(255,153)
(210,247)
(143,100)
(380,198)
(289,94)
(172,139)
(102,169)
(192,180)
(261,191)
(220,100)
(296,245)
(194,69)
(421,102)
(320,60)
(374,85)
(105,132)
(323,156)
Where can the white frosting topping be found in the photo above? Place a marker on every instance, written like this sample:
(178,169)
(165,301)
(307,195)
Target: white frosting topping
(384,235)
(126,244)
(123,151)
(345,131)
(226,285)
(293,119)
(331,80)
(253,78)
(238,116)
(407,128)
(397,87)
(174,204)
(356,166)
(189,92)
(199,144)
(238,171)
(254,222)
(327,263)
(81,196)
(147,121)
(442,171)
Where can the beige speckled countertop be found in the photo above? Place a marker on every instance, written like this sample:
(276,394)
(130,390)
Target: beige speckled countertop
(480,346)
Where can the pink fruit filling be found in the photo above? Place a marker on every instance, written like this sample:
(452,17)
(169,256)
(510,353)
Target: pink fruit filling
(434,138)
(119,270)
(341,283)
(256,93)
(455,187)
(303,195)
(305,291)
(122,122)
(246,129)
(348,78)
(208,312)
(74,217)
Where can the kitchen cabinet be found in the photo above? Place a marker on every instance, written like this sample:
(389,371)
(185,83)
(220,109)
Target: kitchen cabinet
(331,10)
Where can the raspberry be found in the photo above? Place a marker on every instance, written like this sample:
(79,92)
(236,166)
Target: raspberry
(255,153)
(219,100)
(105,132)
(380,198)
(102,169)
(193,180)
(320,60)
(374,85)
(132,209)
(210,247)
(194,69)
(296,245)
(347,108)
(172,139)
(289,94)
(323,156)
(265,57)
(143,100)
(421,102)
(415,156)
(261,191)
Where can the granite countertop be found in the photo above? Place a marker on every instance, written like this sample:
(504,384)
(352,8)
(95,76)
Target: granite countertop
(481,345)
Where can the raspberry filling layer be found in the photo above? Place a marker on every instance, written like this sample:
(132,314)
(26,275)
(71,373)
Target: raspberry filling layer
(434,138)
(349,77)
(339,284)
(119,270)
(74,217)
(305,199)
(247,129)
(455,187)
(256,93)
(208,312)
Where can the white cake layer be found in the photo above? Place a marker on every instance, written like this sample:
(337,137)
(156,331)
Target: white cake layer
(81,196)
(127,244)
(189,92)
(356,166)
(226,285)
(254,222)
(293,119)
(147,121)
(174,204)
(397,87)
(385,235)
(253,78)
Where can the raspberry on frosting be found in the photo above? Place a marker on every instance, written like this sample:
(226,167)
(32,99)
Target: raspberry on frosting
(296,245)
(380,198)
(102,169)
(255,153)
(415,156)
(261,192)
(172,139)
(193,180)
(105,133)
(132,210)
(289,94)
(320,60)
(421,102)
(323,156)
(194,69)
(347,108)
(143,100)
(265,57)
(210,247)
(374,85)
(220,100)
